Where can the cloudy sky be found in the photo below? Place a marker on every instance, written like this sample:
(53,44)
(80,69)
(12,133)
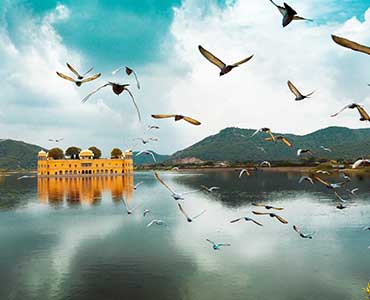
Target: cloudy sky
(159,40)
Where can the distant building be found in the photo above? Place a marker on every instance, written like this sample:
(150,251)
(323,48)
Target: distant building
(86,165)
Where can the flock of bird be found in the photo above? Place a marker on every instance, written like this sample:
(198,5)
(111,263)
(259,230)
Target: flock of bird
(288,15)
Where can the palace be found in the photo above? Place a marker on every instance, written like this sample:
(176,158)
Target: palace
(86,165)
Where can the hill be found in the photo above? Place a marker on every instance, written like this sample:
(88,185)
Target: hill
(238,145)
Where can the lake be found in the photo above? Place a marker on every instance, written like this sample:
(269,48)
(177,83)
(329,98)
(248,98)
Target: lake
(72,238)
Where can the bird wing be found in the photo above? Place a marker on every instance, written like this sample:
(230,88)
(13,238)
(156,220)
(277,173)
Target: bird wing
(287,19)
(269,139)
(282,220)
(257,131)
(192,121)
(224,245)
(65,77)
(133,100)
(255,222)
(294,90)
(93,92)
(289,9)
(198,215)
(286,141)
(357,163)
(281,9)
(242,61)
(125,204)
(204,187)
(138,184)
(321,181)
(350,44)
(210,57)
(257,204)
(184,212)
(91,78)
(296,229)
(344,108)
(163,183)
(271,135)
(150,223)
(130,71)
(242,172)
(88,71)
(190,192)
(277,208)
(162,116)
(259,213)
(363,113)
(73,70)
(209,241)
(214,188)
(298,18)
(236,220)
(339,197)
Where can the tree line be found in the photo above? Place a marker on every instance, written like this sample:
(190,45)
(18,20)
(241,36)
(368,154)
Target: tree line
(74,152)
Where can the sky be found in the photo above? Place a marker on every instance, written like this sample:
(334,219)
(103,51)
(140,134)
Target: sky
(159,40)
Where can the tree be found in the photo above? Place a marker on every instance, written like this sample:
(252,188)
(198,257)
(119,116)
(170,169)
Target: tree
(56,153)
(73,152)
(116,153)
(96,151)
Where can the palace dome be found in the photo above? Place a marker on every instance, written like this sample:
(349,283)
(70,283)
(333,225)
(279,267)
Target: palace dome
(86,153)
(42,153)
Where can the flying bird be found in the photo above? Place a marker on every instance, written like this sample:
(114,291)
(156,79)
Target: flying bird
(327,184)
(216,246)
(350,44)
(265,163)
(177,118)
(265,129)
(303,235)
(339,197)
(282,220)
(26,176)
(297,93)
(128,71)
(219,63)
(305,178)
(244,171)
(267,206)
(189,219)
(146,211)
(73,70)
(129,211)
(345,176)
(289,14)
(135,186)
(78,82)
(353,191)
(117,89)
(303,151)
(360,162)
(150,127)
(211,189)
(146,141)
(363,114)
(56,140)
(147,152)
(279,138)
(322,172)
(174,195)
(247,219)
(366,228)
(325,149)
(156,222)
(341,206)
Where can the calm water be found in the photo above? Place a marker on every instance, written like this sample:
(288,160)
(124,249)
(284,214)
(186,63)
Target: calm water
(72,239)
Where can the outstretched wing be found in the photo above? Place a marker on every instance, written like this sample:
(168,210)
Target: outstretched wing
(286,141)
(282,220)
(255,222)
(163,183)
(257,204)
(91,78)
(93,92)
(184,212)
(259,213)
(133,100)
(344,108)
(73,70)
(298,18)
(162,116)
(209,241)
(88,71)
(350,44)
(190,192)
(210,57)
(65,77)
(130,71)
(192,121)
(321,181)
(294,90)
(296,229)
(281,9)
(242,61)
(236,220)
(198,215)
(363,113)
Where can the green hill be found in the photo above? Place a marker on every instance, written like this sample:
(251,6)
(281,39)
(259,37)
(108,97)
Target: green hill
(238,145)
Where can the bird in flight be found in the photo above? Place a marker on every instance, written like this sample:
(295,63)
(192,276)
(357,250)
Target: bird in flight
(146,211)
(359,162)
(363,114)
(211,189)
(265,163)
(156,222)
(264,129)
(80,78)
(325,149)
(350,44)
(147,152)
(303,235)
(117,89)
(56,140)
(189,219)
(322,172)
(341,206)
(327,184)
(150,127)
(366,228)
(219,63)
(339,197)
(135,186)
(177,118)
(289,14)
(26,176)
(272,215)
(279,138)
(298,95)
(303,151)
(217,246)
(244,171)
(128,71)
(305,178)
(174,195)
(146,141)
(267,206)
(129,211)
(344,176)
(247,219)
(353,191)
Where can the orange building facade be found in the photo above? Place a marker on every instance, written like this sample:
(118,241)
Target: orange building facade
(86,165)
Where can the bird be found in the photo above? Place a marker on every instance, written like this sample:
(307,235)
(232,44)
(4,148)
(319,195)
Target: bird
(211,189)
(345,176)
(350,44)
(303,151)
(298,95)
(282,220)
(135,186)
(265,129)
(26,176)
(359,162)
(217,246)
(219,63)
(247,219)
(56,140)
(267,206)
(340,206)
(73,70)
(305,178)
(244,171)
(189,219)
(156,222)
(289,14)
(146,211)
(117,89)
(363,114)
(174,195)
(366,228)
(150,127)
(146,141)
(279,138)
(177,118)
(78,82)
(147,152)
(327,184)
(325,149)
(303,235)
(353,191)
(339,197)
(265,163)
(322,172)
(129,211)
(128,71)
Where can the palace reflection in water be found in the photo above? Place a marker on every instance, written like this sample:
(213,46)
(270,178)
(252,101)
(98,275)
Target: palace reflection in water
(86,190)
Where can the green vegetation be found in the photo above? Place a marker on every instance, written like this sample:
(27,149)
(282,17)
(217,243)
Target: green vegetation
(56,153)
(73,152)
(116,153)
(96,151)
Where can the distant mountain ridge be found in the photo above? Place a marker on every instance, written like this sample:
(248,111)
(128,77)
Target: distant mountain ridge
(237,145)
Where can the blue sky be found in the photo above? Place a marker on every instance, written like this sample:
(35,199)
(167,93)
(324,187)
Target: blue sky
(158,38)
